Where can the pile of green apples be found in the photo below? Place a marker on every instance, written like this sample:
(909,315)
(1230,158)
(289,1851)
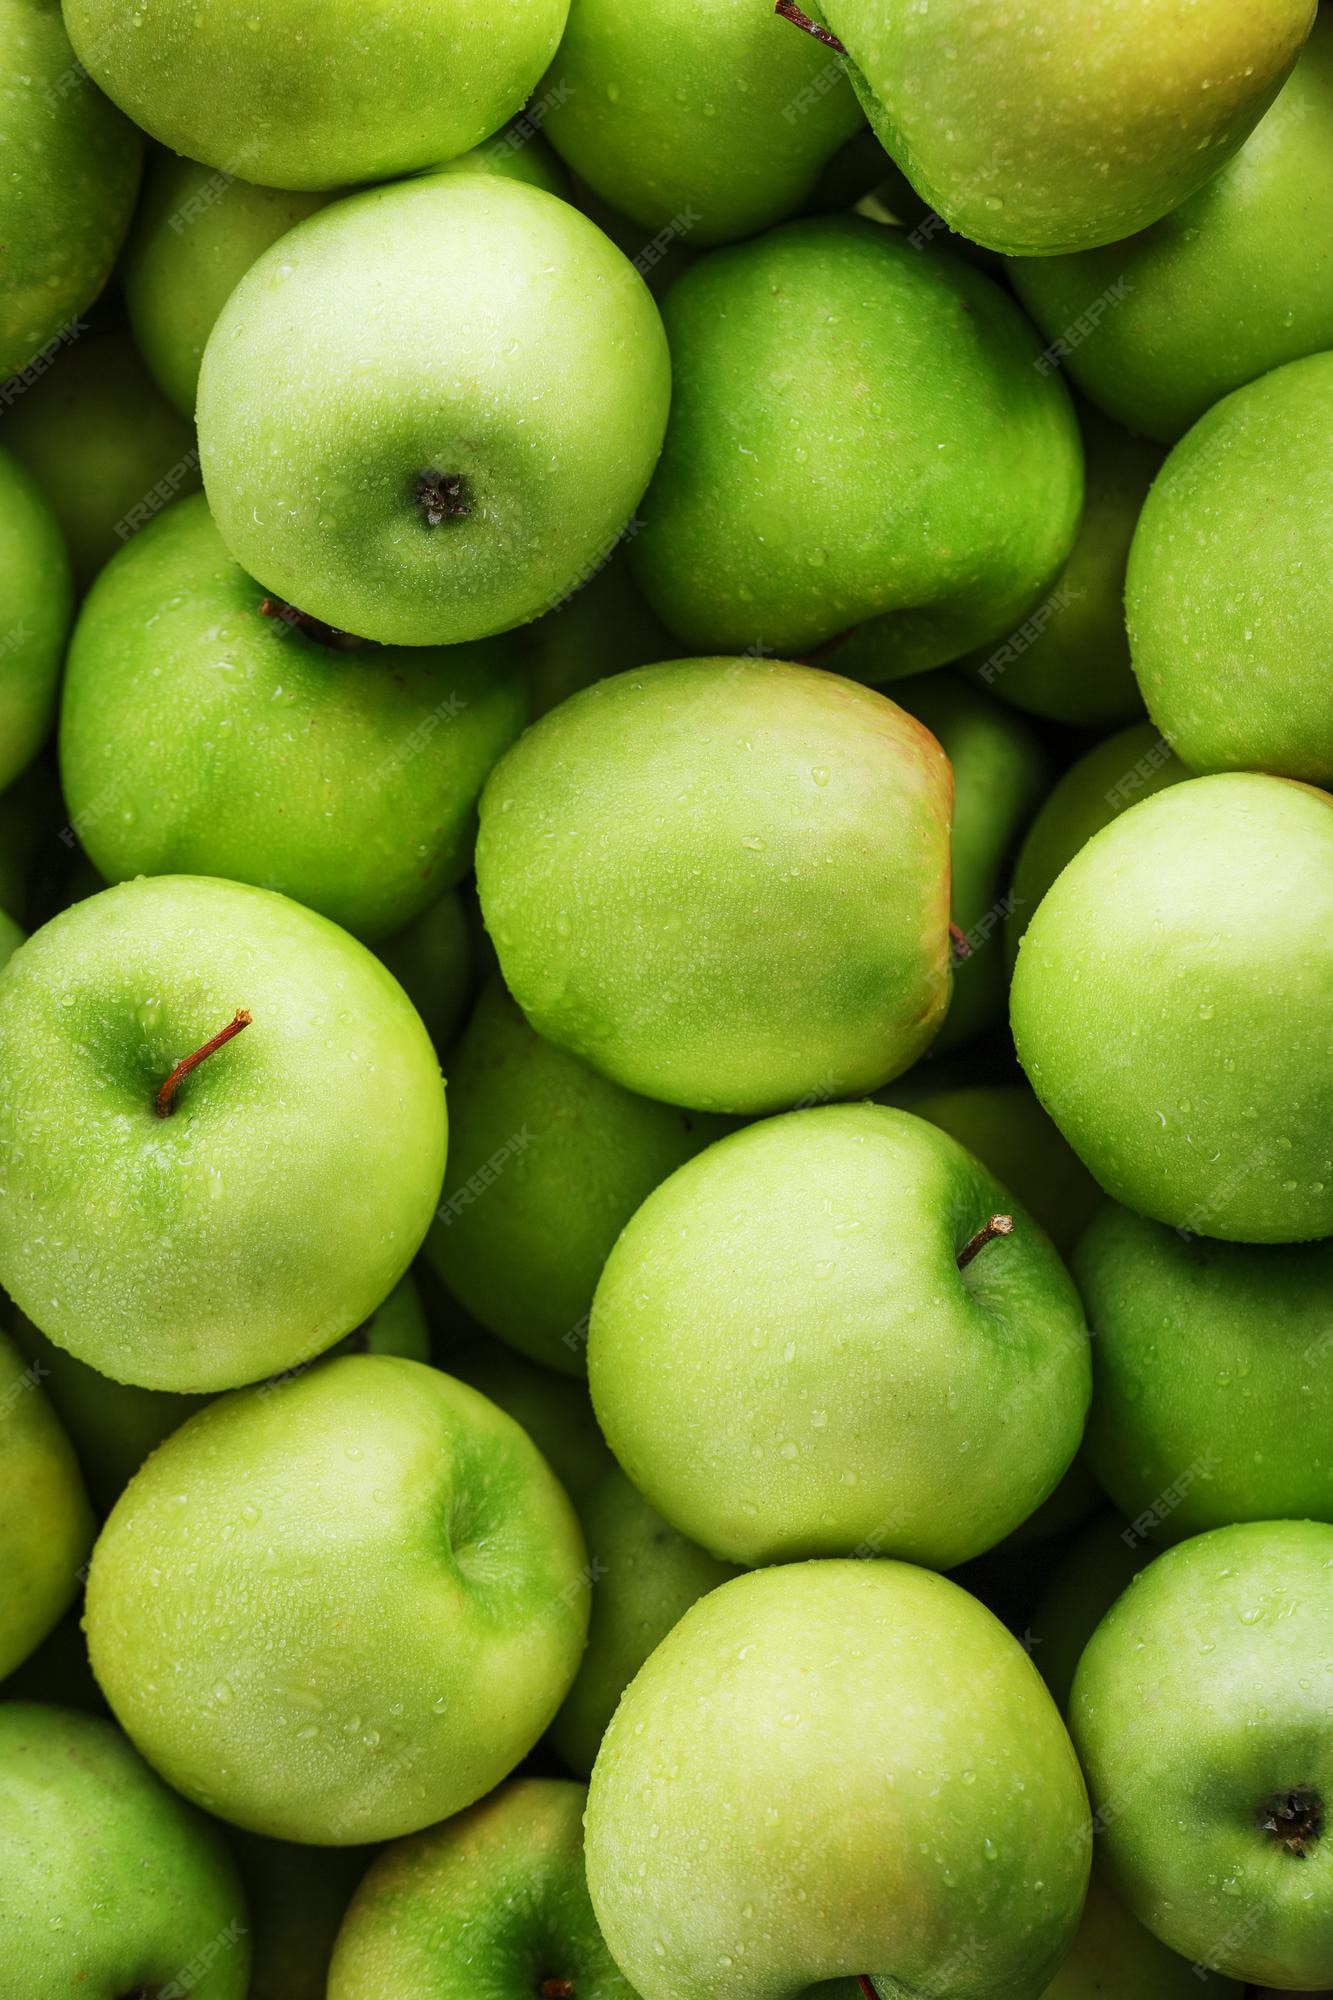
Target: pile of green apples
(751,586)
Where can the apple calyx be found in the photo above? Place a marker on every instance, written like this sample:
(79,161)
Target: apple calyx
(162,1103)
(1295,1819)
(556,1989)
(442,496)
(313,628)
(791,12)
(998,1225)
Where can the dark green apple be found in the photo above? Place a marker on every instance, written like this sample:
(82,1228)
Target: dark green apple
(1101,1561)
(46,1524)
(298,1897)
(1170,1007)
(431,958)
(554,1410)
(11,937)
(603,629)
(858,438)
(1235,670)
(1201,1717)
(188,690)
(724,883)
(35,596)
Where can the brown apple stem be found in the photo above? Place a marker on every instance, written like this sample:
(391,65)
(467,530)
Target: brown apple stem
(162,1102)
(999,1225)
(442,496)
(866,1987)
(791,12)
(958,939)
(556,1989)
(313,628)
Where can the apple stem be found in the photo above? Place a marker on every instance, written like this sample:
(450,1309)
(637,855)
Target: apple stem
(867,1986)
(313,628)
(442,496)
(556,1989)
(162,1103)
(999,1225)
(791,12)
(958,939)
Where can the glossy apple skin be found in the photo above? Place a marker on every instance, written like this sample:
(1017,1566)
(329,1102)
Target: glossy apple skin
(373,1597)
(291,1185)
(724,883)
(1202,1694)
(35,597)
(332,383)
(491,1906)
(1233,668)
(1210,1359)
(1237,280)
(1114,1958)
(554,1410)
(73,171)
(1031,135)
(1003,1125)
(367,97)
(909,1798)
(233,744)
(46,1524)
(858,438)
(752,114)
(111,1884)
(1101,1561)
(1170,1007)
(787,1362)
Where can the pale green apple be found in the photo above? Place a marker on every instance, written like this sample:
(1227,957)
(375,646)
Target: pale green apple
(71,171)
(1234,668)
(1102,1560)
(713,121)
(554,1410)
(46,1524)
(1200,1712)
(109,1884)
(605,628)
(1234,282)
(1005,1127)
(188,690)
(645,1577)
(724,883)
(1212,1376)
(257,1213)
(491,1906)
(270,91)
(547,1163)
(1114,1958)
(105,446)
(372,1592)
(859,437)
(1170,1007)
(431,958)
(429,412)
(1069,660)
(798,1348)
(35,595)
(832,1769)
(298,1897)
(1035,129)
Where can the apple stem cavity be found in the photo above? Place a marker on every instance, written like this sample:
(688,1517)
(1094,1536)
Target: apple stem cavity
(791,12)
(162,1103)
(442,496)
(998,1225)
(313,628)
(1294,1819)
(556,1989)
(958,939)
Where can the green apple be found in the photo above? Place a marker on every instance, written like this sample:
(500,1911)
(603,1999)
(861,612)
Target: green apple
(1000,777)
(800,1348)
(109,1884)
(1180,1448)
(32,822)
(1104,782)
(492,1906)
(1069,661)
(35,597)
(858,437)
(1200,1713)
(188,690)
(72,170)
(1234,671)
(1170,1006)
(11,937)
(1114,1958)
(517,153)
(554,1410)
(831,1769)
(1003,1125)
(58,1670)
(298,1897)
(645,1577)
(1102,1560)
(424,476)
(724,883)
(193,1230)
(752,114)
(605,628)
(1232,283)
(105,446)
(371,1590)
(46,1524)
(431,958)
(196,233)
(1036,130)
(266,89)
(547,1163)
